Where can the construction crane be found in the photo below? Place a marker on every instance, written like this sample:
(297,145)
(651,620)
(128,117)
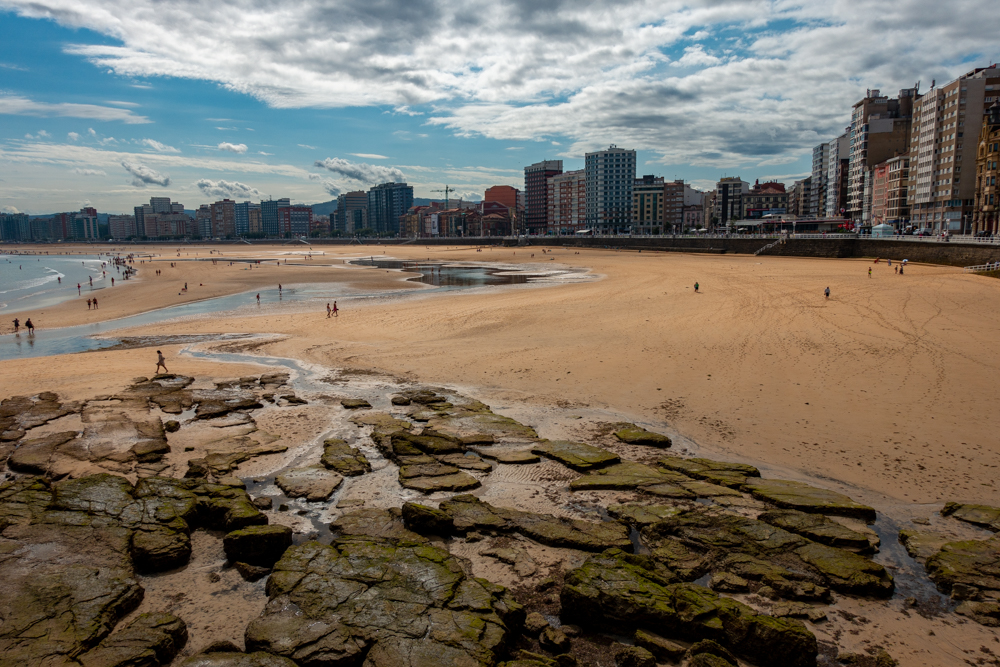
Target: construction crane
(446,200)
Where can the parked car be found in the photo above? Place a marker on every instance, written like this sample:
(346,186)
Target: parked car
(925,232)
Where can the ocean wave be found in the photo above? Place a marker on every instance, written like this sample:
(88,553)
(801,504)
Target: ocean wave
(34,282)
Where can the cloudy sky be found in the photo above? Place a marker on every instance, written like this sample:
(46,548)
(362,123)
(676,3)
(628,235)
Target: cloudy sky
(109,102)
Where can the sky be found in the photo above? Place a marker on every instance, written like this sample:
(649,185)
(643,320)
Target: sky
(106,103)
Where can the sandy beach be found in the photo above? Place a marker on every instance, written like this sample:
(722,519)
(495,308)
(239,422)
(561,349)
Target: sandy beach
(881,392)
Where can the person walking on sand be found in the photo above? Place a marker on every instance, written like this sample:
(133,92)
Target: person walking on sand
(30,326)
(335,309)
(827,292)
(696,287)
(160,361)
(17,325)
(95,304)
(88,304)
(869,272)
(328,311)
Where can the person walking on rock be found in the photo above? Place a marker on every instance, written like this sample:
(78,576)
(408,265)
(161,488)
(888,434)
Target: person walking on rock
(160,361)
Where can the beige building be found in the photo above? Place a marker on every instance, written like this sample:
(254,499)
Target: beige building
(566,202)
(946,128)
(985,218)
(647,205)
(255,225)
(880,129)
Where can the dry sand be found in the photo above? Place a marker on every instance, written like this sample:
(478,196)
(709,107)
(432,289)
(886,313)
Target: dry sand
(883,391)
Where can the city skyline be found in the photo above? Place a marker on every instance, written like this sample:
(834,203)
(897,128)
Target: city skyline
(101,109)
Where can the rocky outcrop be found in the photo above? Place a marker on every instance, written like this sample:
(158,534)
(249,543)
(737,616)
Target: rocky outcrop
(389,602)
(232,659)
(616,589)
(20,413)
(257,545)
(983,516)
(819,528)
(630,475)
(733,475)
(699,541)
(355,404)
(576,455)
(637,435)
(314,483)
(468,513)
(805,498)
(344,459)
(151,640)
(972,563)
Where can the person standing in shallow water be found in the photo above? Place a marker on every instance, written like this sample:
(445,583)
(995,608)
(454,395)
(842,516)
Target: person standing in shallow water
(30,327)
(160,361)
(17,325)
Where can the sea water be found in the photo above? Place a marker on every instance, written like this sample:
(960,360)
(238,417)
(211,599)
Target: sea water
(31,282)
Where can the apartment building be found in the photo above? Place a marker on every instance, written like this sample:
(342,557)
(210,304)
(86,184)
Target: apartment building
(838,167)
(769,198)
(987,202)
(946,128)
(243,217)
(880,129)
(610,175)
(729,193)
(800,198)
(352,212)
(255,225)
(647,205)
(817,182)
(536,194)
(295,220)
(269,214)
(890,181)
(566,202)
(386,203)
(224,219)
(121,226)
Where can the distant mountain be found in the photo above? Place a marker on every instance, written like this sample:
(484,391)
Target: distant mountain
(325,208)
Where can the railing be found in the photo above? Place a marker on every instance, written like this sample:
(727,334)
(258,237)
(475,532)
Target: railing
(982,268)
(769,246)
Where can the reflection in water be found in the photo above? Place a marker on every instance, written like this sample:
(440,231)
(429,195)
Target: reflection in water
(448,276)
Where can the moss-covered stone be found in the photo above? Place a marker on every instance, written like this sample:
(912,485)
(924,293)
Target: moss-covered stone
(427,520)
(921,544)
(313,483)
(344,459)
(637,435)
(970,562)
(630,475)
(983,516)
(663,649)
(403,603)
(576,455)
(151,640)
(257,545)
(642,515)
(459,481)
(632,656)
(788,494)
(617,589)
(732,475)
(819,528)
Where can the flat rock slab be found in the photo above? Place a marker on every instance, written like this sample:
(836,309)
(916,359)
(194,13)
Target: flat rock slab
(313,483)
(618,590)
(515,457)
(632,475)
(642,515)
(381,422)
(387,603)
(459,481)
(355,403)
(468,513)
(983,516)
(805,498)
(637,435)
(922,544)
(466,462)
(733,475)
(819,528)
(974,563)
(344,459)
(257,545)
(576,455)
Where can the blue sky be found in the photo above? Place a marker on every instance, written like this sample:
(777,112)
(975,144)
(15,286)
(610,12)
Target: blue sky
(108,103)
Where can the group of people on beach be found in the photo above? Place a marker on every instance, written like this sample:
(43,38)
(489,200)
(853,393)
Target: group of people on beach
(27,325)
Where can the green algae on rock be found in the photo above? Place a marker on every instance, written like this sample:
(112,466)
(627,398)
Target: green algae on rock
(973,563)
(983,516)
(344,459)
(576,455)
(149,640)
(819,528)
(619,589)
(629,475)
(733,475)
(403,603)
(800,496)
(468,513)
(257,545)
(637,435)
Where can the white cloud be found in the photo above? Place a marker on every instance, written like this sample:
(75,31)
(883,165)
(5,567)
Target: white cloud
(143,175)
(233,148)
(119,103)
(263,153)
(89,172)
(695,56)
(227,189)
(73,136)
(22,106)
(370,156)
(361,171)
(312,148)
(91,132)
(157,146)
(10,209)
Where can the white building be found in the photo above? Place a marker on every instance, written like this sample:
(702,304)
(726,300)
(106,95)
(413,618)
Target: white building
(610,175)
